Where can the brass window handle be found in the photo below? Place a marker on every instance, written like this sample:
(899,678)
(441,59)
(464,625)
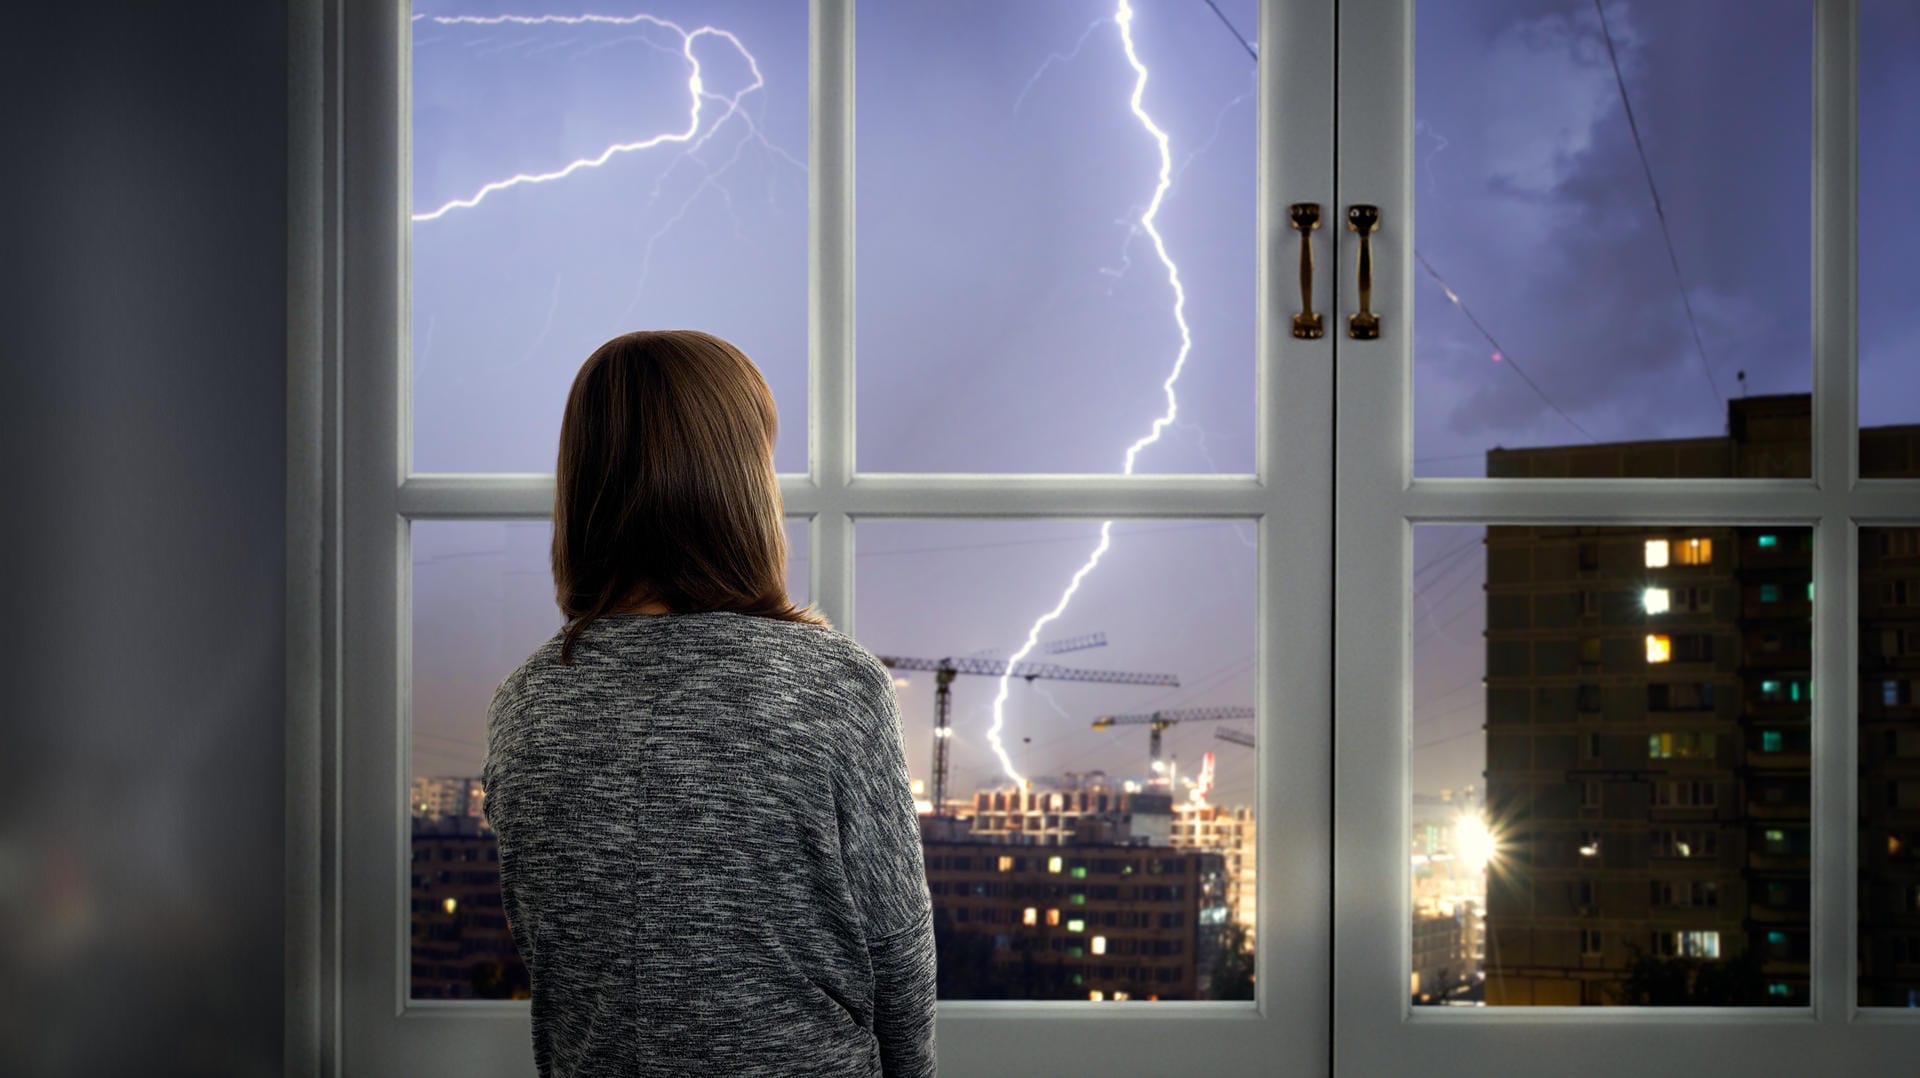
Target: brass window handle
(1306,218)
(1364,325)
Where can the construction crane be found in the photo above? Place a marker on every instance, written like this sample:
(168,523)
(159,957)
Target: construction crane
(1238,737)
(945,670)
(1054,647)
(1159,720)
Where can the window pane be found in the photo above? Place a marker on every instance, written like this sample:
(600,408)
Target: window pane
(1548,305)
(1890,767)
(1139,830)
(482,602)
(1595,825)
(565,191)
(1018,306)
(1889,229)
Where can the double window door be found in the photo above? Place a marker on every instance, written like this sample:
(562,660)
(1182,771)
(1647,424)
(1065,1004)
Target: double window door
(1357,495)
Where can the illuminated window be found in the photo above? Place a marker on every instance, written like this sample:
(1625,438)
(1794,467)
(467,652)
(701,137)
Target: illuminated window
(1076,925)
(1053,917)
(1079,872)
(1776,840)
(1076,952)
(1656,553)
(1769,593)
(1693,552)
(1656,600)
(1770,690)
(1778,989)
(1770,741)
(1099,945)
(1767,541)
(1077,899)
(1095,995)
(1700,944)
(1659,647)
(1030,916)
(1809,591)
(1053,864)
(1006,863)
(1685,745)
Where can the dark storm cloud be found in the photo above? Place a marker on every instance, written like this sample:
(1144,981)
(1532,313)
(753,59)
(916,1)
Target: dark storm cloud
(1539,213)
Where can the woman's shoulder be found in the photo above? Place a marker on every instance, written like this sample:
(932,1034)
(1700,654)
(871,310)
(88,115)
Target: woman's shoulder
(718,638)
(825,652)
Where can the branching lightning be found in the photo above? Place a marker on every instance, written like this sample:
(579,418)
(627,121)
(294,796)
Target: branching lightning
(692,138)
(1124,18)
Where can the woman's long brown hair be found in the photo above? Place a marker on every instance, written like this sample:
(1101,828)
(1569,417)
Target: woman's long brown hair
(664,489)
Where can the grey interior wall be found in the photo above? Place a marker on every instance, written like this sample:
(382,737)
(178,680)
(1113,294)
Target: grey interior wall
(142,508)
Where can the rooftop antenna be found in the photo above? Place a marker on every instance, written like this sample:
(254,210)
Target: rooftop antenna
(1741,377)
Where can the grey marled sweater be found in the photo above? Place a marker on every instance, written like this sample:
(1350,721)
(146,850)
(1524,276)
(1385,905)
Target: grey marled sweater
(709,853)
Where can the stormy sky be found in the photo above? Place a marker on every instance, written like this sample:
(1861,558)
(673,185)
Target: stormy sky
(1012,315)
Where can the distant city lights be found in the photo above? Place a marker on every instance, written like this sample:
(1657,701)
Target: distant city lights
(1474,841)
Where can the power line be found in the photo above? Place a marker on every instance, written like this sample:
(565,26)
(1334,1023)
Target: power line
(1506,358)
(1659,211)
(1448,555)
(1237,35)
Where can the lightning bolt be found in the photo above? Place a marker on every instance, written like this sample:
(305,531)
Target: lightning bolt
(1056,58)
(1123,16)
(691,138)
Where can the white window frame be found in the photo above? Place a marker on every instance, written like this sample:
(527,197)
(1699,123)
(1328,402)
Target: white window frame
(352,500)
(1379,502)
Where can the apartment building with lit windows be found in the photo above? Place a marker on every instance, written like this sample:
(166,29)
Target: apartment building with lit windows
(1889,748)
(461,945)
(434,796)
(1643,688)
(1648,738)
(1095,921)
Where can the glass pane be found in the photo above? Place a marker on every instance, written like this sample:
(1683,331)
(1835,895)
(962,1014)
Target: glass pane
(1890,767)
(1095,838)
(1611,765)
(1889,229)
(482,602)
(566,188)
(1026,236)
(1558,299)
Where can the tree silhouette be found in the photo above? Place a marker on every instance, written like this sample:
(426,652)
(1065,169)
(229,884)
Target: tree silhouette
(1233,970)
(963,963)
(1653,981)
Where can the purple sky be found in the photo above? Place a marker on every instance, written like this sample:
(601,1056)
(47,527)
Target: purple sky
(1012,317)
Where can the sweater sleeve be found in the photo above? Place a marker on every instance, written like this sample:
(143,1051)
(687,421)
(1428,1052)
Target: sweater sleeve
(904,1005)
(886,866)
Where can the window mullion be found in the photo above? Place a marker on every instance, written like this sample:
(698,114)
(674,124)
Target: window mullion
(830,383)
(1835,459)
